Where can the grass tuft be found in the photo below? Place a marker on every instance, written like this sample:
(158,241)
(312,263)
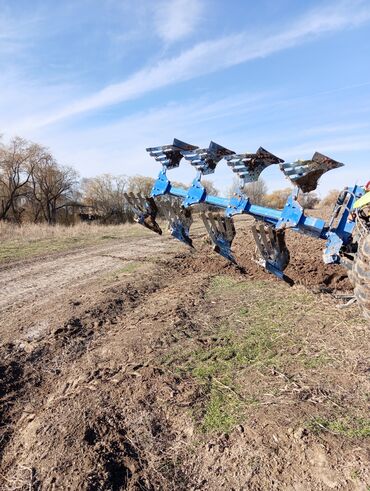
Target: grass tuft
(348,427)
(222,411)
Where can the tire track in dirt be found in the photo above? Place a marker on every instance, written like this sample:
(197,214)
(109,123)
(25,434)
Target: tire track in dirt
(22,284)
(37,294)
(40,380)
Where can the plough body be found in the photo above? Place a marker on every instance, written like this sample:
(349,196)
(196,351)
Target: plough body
(339,233)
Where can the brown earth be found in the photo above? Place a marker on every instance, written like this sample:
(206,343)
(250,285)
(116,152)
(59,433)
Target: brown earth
(148,366)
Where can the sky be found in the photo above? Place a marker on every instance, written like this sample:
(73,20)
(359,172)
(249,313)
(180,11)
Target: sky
(98,81)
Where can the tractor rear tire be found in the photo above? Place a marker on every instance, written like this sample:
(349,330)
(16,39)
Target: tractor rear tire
(360,276)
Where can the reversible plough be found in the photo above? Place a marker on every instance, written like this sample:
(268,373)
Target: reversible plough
(346,234)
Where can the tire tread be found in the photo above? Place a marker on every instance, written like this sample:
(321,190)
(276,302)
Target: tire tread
(360,276)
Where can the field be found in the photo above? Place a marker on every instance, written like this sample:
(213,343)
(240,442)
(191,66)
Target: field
(128,361)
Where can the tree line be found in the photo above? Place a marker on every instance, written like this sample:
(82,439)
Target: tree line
(34,187)
(32,181)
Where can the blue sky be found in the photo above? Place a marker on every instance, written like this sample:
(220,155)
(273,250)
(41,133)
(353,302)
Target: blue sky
(98,81)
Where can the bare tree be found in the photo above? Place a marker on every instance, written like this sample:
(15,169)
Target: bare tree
(52,186)
(210,187)
(309,200)
(105,193)
(331,198)
(140,185)
(278,198)
(256,191)
(17,162)
(235,187)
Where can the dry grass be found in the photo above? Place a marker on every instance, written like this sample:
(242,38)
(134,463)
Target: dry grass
(29,240)
(30,231)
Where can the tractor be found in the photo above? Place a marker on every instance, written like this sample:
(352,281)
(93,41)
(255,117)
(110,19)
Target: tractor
(346,234)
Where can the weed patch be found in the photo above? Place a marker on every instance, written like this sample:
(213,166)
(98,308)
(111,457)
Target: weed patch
(317,361)
(348,427)
(262,337)
(252,335)
(222,411)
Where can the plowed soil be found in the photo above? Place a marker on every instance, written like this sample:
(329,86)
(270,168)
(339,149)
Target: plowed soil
(148,366)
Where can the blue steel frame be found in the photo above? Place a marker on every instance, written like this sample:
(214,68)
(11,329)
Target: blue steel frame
(291,217)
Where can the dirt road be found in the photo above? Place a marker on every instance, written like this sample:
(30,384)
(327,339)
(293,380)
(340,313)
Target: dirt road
(40,288)
(143,365)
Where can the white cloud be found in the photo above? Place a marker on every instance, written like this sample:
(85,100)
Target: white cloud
(176,19)
(119,147)
(22,97)
(211,56)
(233,121)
